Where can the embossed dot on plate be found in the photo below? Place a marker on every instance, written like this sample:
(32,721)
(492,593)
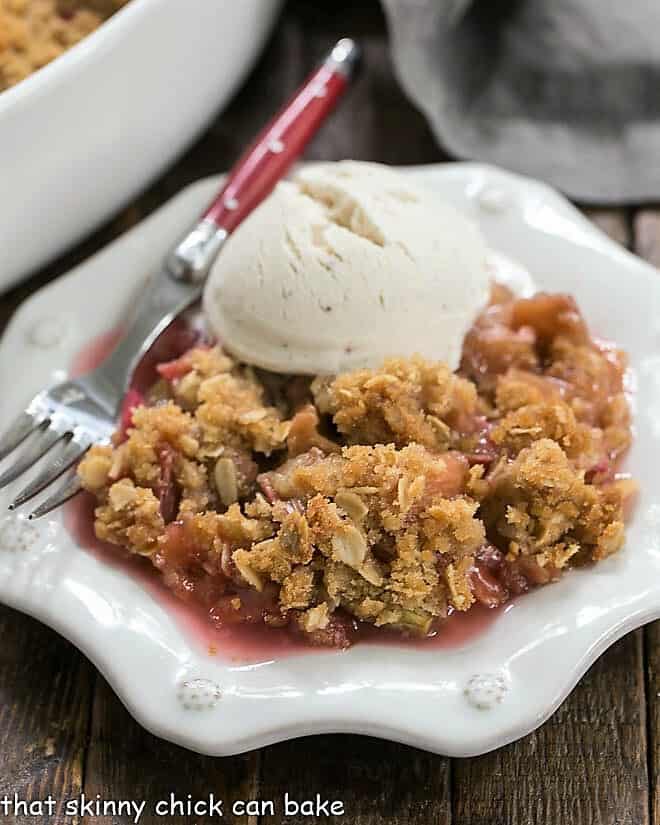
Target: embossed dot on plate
(276,147)
(486,690)
(651,528)
(199,694)
(652,516)
(19,535)
(493,199)
(47,333)
(320,91)
(231,204)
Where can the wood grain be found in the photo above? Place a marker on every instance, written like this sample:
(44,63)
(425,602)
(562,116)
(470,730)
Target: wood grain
(652,650)
(46,688)
(614,222)
(587,764)
(647,235)
(377,781)
(125,762)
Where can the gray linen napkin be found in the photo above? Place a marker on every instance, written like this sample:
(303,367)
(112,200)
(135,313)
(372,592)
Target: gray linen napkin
(564,90)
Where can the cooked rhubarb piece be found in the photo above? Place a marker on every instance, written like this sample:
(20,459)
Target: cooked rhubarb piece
(390,497)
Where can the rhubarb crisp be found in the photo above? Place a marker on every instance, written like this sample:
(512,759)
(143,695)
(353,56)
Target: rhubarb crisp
(34,32)
(394,496)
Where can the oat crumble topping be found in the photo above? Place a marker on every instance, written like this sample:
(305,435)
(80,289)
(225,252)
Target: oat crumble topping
(391,496)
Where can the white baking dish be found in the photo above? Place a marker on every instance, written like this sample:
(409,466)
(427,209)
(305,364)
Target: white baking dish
(82,136)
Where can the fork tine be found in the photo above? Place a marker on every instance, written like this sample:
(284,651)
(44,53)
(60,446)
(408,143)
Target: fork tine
(72,451)
(67,490)
(18,432)
(31,454)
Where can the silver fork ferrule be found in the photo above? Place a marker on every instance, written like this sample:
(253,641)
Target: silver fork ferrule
(192,258)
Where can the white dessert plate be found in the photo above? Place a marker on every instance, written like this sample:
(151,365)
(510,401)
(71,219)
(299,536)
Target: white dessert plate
(460,700)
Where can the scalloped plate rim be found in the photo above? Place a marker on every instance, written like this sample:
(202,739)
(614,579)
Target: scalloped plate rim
(168,722)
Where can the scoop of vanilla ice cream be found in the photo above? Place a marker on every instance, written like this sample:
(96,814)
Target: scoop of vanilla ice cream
(347,264)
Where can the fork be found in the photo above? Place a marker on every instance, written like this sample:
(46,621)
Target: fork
(67,419)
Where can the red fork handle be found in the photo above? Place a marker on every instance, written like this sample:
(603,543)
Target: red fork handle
(266,161)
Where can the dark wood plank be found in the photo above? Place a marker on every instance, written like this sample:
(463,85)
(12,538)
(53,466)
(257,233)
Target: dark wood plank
(375,121)
(376,781)
(46,690)
(125,762)
(614,222)
(647,235)
(652,650)
(647,244)
(588,763)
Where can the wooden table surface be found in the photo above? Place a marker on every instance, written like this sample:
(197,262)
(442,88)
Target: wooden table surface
(62,731)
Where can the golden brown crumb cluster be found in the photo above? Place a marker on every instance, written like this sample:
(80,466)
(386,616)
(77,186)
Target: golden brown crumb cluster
(34,32)
(407,400)
(389,496)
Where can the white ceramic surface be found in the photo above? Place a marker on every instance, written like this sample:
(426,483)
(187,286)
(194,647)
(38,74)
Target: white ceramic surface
(82,136)
(460,701)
